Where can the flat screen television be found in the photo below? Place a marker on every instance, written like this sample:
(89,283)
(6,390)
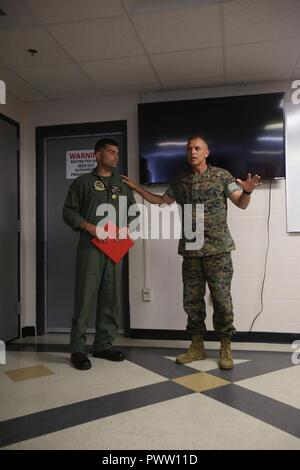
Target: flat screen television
(245,135)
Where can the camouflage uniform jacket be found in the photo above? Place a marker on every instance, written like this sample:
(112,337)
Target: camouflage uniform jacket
(210,188)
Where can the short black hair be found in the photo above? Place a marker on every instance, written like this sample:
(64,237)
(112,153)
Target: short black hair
(198,136)
(100,144)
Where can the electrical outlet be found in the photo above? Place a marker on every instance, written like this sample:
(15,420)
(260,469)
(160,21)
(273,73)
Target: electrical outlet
(146,294)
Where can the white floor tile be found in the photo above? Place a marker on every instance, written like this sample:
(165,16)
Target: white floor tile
(282,385)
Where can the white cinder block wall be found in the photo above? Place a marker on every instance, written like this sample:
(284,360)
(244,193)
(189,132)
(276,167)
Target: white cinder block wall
(281,295)
(282,287)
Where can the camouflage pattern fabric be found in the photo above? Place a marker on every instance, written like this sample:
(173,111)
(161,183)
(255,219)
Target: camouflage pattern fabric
(217,271)
(210,188)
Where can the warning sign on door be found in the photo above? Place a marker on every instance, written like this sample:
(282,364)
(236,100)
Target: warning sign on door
(79,162)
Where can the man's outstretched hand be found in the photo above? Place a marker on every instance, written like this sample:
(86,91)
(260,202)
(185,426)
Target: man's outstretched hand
(250,183)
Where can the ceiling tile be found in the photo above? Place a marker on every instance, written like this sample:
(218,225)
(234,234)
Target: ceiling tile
(58,11)
(56,78)
(73,94)
(259,77)
(118,72)
(262,57)
(190,65)
(17,15)
(14,44)
(130,89)
(18,86)
(260,20)
(31,96)
(188,84)
(99,39)
(296,74)
(192,28)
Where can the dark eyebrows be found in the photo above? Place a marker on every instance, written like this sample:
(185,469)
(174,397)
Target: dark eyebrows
(197,147)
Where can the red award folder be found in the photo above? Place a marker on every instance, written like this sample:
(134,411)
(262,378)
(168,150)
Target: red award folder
(114,248)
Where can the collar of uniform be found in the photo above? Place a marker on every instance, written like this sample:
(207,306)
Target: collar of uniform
(114,178)
(94,172)
(203,176)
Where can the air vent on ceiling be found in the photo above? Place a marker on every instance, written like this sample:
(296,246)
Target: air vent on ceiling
(148,6)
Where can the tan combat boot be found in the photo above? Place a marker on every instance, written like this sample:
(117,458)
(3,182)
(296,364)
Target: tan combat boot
(195,352)
(226,361)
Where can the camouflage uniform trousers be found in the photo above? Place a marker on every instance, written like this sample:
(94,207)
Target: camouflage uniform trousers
(216,271)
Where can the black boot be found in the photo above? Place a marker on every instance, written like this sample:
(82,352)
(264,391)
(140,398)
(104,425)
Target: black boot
(80,361)
(111,354)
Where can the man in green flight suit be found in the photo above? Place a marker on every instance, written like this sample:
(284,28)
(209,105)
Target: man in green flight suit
(97,277)
(211,262)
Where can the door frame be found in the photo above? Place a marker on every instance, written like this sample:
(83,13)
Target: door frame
(5,118)
(67,130)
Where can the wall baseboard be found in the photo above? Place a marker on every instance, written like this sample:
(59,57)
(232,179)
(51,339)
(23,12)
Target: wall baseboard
(239,337)
(244,336)
(28,331)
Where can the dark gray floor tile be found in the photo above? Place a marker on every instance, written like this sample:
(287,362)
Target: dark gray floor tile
(280,415)
(154,359)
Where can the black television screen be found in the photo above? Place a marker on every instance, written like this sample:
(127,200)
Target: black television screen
(245,135)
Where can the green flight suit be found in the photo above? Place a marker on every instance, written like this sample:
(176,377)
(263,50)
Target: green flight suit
(212,263)
(97,277)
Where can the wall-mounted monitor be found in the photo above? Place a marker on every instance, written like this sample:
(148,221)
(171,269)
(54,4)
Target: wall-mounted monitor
(245,134)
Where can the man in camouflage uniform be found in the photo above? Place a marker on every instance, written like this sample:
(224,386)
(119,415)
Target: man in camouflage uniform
(211,263)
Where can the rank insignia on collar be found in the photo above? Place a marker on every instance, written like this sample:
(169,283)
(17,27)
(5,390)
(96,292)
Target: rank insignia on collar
(99,186)
(115,189)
